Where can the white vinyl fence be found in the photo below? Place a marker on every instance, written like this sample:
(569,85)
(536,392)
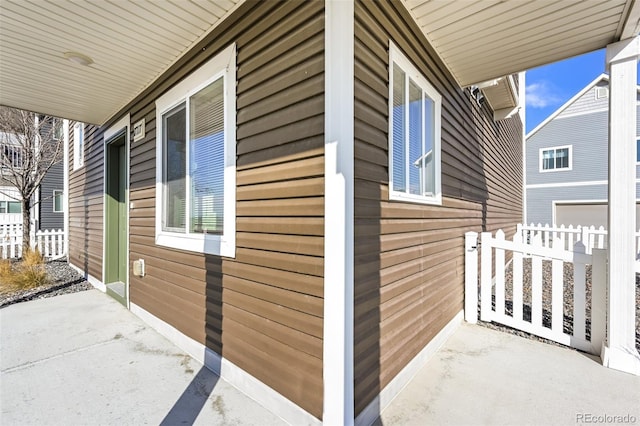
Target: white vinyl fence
(50,242)
(591,237)
(504,300)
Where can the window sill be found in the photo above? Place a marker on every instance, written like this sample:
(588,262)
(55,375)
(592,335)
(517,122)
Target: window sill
(565,169)
(417,199)
(208,244)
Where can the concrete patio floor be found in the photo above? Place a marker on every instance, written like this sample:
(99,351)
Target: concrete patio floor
(486,377)
(84,359)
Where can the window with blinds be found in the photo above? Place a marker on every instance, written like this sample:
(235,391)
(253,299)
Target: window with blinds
(197,144)
(414,133)
(555,158)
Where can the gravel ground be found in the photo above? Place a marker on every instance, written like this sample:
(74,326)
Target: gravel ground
(546,300)
(63,280)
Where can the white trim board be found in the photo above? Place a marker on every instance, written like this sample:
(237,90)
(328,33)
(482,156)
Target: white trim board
(232,374)
(123,124)
(565,184)
(90,278)
(337,351)
(395,386)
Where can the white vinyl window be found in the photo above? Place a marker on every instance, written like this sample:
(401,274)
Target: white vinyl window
(10,207)
(78,145)
(196,146)
(414,133)
(555,158)
(57,202)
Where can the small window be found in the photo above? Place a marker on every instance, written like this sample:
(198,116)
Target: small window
(414,133)
(555,158)
(3,207)
(57,202)
(195,139)
(78,145)
(14,155)
(602,92)
(14,207)
(638,151)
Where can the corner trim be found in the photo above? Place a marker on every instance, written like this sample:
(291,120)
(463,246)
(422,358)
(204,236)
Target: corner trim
(371,413)
(232,374)
(337,351)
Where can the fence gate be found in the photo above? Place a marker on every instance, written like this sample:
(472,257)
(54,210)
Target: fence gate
(553,293)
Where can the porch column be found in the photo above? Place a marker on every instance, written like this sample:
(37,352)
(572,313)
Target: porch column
(619,350)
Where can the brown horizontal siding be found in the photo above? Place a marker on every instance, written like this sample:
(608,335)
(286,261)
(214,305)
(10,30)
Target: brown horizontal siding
(410,257)
(262,310)
(86,204)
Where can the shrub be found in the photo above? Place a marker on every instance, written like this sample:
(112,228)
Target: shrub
(23,275)
(6,275)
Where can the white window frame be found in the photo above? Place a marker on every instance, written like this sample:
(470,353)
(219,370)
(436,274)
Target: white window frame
(397,57)
(555,148)
(223,64)
(78,146)
(637,150)
(57,191)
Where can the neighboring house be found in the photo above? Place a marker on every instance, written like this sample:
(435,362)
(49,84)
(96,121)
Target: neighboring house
(566,162)
(287,197)
(48,211)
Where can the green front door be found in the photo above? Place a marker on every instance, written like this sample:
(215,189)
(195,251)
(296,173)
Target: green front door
(116,218)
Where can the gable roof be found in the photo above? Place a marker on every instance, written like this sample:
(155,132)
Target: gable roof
(567,104)
(598,79)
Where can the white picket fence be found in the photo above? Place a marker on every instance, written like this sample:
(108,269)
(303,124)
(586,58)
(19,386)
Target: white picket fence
(50,242)
(591,237)
(494,294)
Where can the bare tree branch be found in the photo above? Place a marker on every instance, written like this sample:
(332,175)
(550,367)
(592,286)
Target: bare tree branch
(29,146)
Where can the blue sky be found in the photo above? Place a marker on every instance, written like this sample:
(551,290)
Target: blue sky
(550,86)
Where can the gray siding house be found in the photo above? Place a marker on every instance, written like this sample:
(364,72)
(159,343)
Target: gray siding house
(48,209)
(566,180)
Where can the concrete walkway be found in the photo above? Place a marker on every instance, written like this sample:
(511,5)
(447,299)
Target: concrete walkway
(486,377)
(82,359)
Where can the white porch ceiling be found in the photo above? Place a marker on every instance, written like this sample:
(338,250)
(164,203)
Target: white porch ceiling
(130,41)
(133,41)
(485,39)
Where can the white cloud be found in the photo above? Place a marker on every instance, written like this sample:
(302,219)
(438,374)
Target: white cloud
(541,95)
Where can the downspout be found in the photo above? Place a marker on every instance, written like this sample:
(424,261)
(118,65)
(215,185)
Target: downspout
(523,118)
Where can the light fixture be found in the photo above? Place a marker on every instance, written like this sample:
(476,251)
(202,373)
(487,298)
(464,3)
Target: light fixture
(78,58)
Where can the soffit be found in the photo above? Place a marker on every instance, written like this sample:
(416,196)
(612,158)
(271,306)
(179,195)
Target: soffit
(485,39)
(130,41)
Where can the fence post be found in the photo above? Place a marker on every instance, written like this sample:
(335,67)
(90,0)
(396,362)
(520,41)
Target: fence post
(557,295)
(598,299)
(471,277)
(517,278)
(579,293)
(485,276)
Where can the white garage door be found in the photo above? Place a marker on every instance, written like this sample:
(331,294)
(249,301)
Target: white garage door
(586,215)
